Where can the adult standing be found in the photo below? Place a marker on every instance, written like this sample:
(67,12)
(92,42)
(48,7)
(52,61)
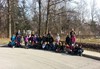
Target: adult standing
(73,37)
(50,40)
(72,32)
(68,39)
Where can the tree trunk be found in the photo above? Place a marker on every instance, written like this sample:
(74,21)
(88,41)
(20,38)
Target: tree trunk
(9,18)
(46,27)
(39,17)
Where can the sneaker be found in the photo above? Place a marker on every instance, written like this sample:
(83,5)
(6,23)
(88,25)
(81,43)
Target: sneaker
(13,46)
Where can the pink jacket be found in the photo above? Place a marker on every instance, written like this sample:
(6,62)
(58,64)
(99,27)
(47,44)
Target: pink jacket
(73,39)
(26,39)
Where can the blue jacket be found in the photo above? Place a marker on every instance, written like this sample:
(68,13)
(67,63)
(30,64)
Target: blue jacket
(13,38)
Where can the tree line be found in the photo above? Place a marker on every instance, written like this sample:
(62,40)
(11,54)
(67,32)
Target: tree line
(41,16)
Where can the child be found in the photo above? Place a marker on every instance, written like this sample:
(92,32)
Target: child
(26,39)
(32,41)
(57,39)
(44,39)
(44,45)
(59,47)
(12,43)
(68,49)
(22,41)
(78,50)
(35,39)
(18,40)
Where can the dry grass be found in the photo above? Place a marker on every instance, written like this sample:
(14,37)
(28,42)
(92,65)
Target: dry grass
(4,40)
(92,41)
(86,40)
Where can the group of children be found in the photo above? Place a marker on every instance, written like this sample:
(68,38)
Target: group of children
(15,41)
(46,42)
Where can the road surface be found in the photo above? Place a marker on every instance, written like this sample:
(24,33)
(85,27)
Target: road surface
(20,58)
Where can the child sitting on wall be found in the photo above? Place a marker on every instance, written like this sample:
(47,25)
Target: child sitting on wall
(78,50)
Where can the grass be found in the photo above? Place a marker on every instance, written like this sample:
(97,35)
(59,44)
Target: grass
(91,41)
(86,40)
(4,40)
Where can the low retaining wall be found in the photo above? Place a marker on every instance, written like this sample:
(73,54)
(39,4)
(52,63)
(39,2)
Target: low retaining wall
(89,46)
(94,47)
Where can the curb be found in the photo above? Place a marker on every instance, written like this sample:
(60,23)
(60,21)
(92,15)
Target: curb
(92,57)
(3,45)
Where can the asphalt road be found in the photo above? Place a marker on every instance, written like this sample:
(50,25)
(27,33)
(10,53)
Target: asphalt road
(19,58)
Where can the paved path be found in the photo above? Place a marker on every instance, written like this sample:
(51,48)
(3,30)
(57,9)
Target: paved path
(19,58)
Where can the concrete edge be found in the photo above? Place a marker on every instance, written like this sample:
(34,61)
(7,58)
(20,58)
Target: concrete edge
(3,45)
(92,57)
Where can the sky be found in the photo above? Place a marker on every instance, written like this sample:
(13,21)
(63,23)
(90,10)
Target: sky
(88,1)
(97,2)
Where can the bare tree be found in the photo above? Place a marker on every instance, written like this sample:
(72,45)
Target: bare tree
(48,8)
(9,17)
(93,16)
(39,17)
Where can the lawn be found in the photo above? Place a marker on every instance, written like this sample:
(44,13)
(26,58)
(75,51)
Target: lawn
(92,41)
(4,40)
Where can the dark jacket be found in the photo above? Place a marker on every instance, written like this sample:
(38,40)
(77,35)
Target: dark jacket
(68,40)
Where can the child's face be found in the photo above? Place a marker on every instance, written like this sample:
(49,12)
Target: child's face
(76,45)
(80,46)
(72,29)
(67,45)
(45,43)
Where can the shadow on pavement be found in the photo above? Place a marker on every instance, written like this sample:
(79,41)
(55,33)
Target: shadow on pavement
(62,53)
(6,46)
(92,57)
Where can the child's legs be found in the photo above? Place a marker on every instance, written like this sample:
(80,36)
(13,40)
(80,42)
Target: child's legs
(80,51)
